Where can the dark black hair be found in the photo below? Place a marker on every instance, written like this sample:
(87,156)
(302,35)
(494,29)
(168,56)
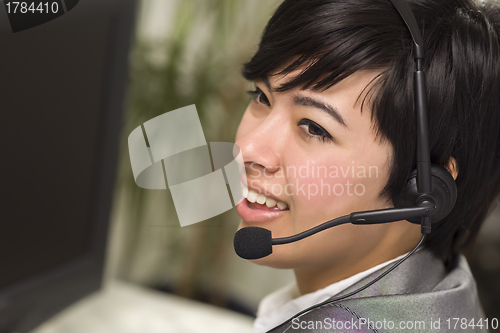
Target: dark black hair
(335,38)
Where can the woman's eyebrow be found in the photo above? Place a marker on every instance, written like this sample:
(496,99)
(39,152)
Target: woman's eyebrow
(308,101)
(265,79)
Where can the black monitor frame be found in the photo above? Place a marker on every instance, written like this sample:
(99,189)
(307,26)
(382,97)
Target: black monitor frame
(27,303)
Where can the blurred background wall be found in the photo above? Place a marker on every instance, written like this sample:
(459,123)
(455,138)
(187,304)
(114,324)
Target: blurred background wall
(188,52)
(191,52)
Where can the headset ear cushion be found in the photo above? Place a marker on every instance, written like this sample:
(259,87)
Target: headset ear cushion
(444,190)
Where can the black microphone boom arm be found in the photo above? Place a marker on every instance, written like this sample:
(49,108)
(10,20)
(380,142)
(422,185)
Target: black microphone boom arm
(364,217)
(390,215)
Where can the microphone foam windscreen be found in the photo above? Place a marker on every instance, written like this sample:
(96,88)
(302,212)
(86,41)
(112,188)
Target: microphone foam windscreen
(253,243)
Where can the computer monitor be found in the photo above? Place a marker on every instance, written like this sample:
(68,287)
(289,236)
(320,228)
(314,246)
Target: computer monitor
(62,88)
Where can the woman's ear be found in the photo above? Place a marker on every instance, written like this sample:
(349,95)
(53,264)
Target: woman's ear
(452,167)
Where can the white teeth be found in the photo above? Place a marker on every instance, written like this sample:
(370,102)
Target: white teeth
(281,205)
(253,197)
(261,198)
(270,203)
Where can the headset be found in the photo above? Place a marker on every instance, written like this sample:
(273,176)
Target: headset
(428,196)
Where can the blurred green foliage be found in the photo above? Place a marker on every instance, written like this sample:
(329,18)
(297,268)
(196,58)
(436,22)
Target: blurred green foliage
(198,62)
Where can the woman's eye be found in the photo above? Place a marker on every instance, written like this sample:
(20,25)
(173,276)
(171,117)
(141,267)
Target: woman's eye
(259,96)
(314,130)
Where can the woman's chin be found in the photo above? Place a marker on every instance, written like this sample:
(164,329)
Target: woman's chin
(280,258)
(273,263)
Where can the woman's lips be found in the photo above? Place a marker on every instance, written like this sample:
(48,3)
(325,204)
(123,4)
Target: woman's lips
(256,205)
(257,213)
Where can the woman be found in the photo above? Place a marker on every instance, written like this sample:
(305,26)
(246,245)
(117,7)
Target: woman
(331,131)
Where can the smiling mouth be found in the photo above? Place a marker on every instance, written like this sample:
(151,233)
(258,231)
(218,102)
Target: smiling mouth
(258,206)
(262,202)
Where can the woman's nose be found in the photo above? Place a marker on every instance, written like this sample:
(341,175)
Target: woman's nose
(261,148)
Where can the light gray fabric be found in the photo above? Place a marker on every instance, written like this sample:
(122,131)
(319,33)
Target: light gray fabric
(416,293)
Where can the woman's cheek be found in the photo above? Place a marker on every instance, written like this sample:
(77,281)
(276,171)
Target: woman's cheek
(340,187)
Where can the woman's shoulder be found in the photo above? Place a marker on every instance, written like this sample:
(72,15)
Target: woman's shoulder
(421,293)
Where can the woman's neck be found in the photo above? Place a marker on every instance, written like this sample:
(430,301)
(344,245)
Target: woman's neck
(313,278)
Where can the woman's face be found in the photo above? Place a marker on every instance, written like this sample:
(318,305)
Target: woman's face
(316,152)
